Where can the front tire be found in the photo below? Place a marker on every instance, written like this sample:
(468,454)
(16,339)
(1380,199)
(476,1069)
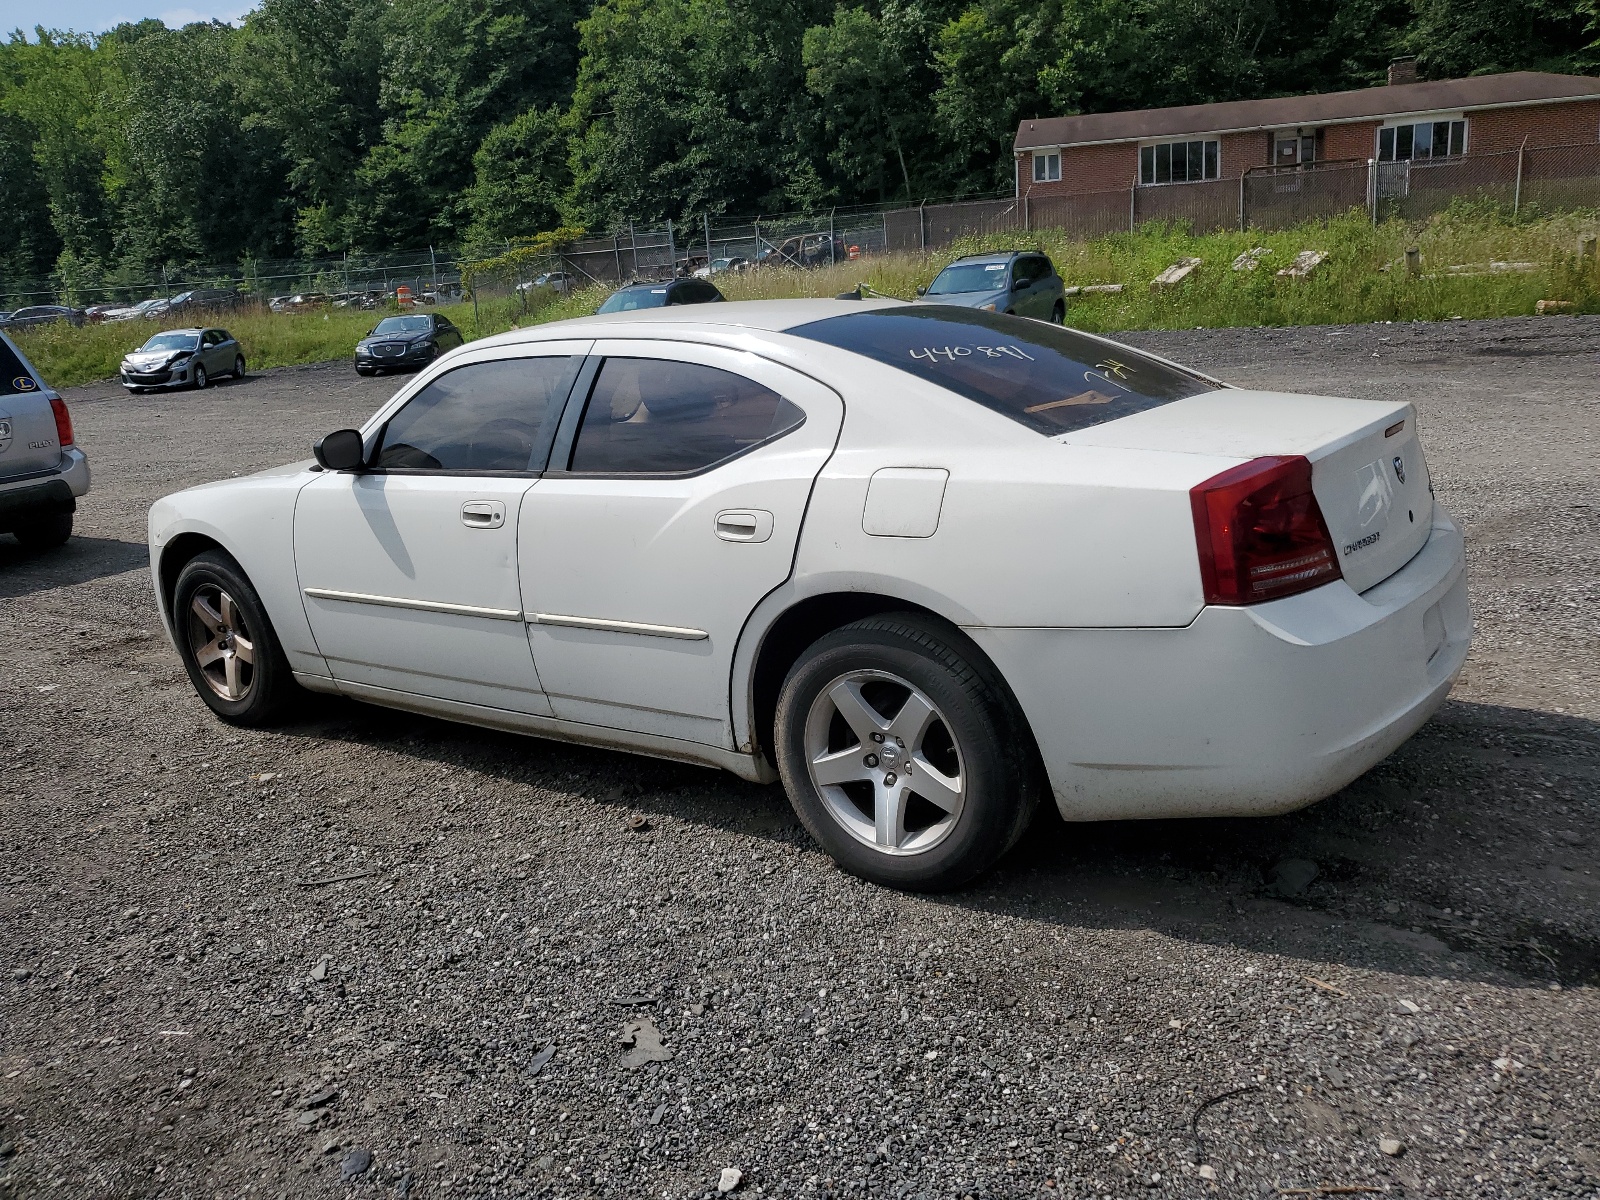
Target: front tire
(1058,314)
(227,643)
(201,379)
(903,754)
(238,366)
(45,533)
(366,371)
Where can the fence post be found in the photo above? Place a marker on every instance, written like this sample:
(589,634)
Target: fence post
(1372,188)
(1241,200)
(616,252)
(708,244)
(886,231)
(833,259)
(922,227)
(433,270)
(633,239)
(1027,213)
(672,254)
(1516,198)
(1133,198)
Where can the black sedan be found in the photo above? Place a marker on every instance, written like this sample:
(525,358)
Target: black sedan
(412,340)
(659,295)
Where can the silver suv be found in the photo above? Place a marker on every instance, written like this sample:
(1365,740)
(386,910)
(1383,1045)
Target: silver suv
(42,473)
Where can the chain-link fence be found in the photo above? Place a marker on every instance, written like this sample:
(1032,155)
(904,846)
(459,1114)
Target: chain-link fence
(350,280)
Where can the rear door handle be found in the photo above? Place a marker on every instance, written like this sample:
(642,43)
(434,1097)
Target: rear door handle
(483,514)
(744,524)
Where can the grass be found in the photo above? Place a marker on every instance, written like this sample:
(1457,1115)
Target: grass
(1363,279)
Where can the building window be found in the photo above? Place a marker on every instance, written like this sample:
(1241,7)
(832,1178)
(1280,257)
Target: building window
(1422,139)
(1047,167)
(1179,162)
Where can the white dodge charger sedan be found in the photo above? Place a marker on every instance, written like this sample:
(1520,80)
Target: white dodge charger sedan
(925,565)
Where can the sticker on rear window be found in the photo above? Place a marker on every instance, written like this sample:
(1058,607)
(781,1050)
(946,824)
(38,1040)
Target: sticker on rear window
(1052,380)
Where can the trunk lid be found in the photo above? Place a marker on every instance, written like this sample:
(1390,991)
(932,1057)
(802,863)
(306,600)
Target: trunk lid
(1367,467)
(27,423)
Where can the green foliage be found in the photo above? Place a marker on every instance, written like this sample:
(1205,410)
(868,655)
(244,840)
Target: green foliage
(324,126)
(520,176)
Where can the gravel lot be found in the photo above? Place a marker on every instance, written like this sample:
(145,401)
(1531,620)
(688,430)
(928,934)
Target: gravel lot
(334,958)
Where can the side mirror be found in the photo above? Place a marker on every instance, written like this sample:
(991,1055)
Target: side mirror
(922,291)
(341,450)
(1018,284)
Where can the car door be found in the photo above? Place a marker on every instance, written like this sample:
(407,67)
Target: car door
(211,352)
(408,570)
(676,509)
(1024,286)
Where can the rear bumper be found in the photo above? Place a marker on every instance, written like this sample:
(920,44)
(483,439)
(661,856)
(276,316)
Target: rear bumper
(45,495)
(1246,711)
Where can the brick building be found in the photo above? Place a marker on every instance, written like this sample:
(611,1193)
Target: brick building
(1406,120)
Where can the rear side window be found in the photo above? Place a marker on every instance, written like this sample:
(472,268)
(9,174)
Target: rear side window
(652,417)
(1050,379)
(15,379)
(489,416)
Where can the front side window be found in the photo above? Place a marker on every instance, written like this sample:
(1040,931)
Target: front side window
(1047,167)
(1422,139)
(1052,380)
(1180,162)
(489,416)
(652,417)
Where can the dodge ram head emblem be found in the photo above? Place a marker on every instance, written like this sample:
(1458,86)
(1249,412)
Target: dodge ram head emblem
(1399,468)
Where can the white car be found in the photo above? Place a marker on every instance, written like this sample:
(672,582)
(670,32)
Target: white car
(925,565)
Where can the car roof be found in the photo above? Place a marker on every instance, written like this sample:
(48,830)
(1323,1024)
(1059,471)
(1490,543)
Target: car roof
(994,257)
(768,316)
(190,329)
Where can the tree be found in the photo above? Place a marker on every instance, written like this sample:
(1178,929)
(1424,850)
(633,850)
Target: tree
(873,82)
(520,177)
(1475,37)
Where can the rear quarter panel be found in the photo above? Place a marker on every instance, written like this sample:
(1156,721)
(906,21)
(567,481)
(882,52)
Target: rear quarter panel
(1031,532)
(253,520)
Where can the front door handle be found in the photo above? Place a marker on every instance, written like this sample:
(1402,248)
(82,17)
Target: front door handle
(744,524)
(483,514)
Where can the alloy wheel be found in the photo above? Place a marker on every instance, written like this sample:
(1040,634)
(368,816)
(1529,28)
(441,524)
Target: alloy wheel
(222,645)
(885,762)
(199,376)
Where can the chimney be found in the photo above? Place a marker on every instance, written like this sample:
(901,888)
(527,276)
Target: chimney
(1402,70)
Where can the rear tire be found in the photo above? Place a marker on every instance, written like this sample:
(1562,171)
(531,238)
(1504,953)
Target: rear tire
(201,379)
(227,644)
(44,533)
(903,754)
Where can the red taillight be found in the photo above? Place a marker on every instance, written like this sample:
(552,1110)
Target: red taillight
(63,422)
(1260,532)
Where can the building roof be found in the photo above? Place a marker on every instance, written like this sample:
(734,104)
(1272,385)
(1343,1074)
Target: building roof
(1441,95)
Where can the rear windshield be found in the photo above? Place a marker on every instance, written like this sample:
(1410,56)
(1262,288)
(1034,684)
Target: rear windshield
(1050,379)
(15,379)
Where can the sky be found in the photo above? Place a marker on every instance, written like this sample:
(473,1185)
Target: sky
(97,16)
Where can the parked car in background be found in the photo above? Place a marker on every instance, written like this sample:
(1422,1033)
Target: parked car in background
(131,312)
(1024,284)
(407,341)
(959,565)
(44,314)
(42,471)
(299,302)
(361,300)
(183,358)
(557,281)
(661,295)
(718,265)
(805,250)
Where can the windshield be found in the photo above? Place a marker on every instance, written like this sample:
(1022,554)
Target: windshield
(1050,379)
(173,341)
(631,298)
(969,277)
(402,325)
